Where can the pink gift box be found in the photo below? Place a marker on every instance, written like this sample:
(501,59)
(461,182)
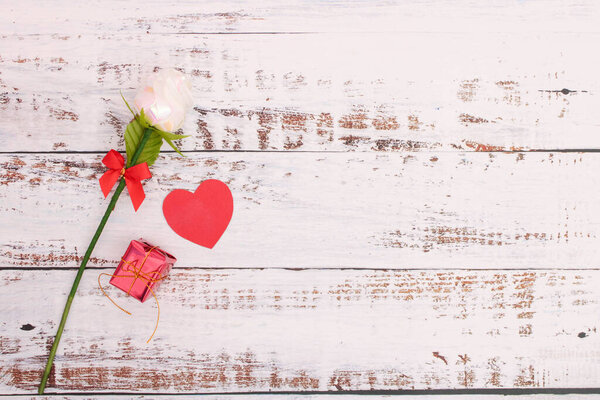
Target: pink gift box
(142,269)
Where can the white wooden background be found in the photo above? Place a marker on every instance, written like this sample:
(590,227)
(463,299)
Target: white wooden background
(416,197)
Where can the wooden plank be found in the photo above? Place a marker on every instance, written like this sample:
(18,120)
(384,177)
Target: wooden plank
(314,92)
(230,16)
(333,396)
(331,330)
(427,210)
(305,396)
(375,77)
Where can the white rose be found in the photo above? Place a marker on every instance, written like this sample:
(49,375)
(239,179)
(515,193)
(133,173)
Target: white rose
(165,99)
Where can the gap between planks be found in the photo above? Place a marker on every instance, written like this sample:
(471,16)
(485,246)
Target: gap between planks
(427,151)
(490,394)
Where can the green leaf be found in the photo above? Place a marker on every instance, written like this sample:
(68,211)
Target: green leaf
(133,136)
(174,147)
(169,137)
(127,104)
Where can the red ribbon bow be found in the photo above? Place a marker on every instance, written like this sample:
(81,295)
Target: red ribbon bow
(133,177)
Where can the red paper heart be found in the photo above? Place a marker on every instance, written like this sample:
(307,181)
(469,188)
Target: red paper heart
(200,217)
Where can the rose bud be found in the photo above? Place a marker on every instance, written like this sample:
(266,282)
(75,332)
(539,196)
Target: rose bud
(165,99)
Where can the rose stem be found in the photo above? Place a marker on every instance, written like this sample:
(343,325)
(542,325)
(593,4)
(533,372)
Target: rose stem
(86,257)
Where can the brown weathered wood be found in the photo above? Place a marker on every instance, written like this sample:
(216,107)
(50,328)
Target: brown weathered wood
(309,92)
(322,396)
(275,16)
(353,84)
(253,330)
(428,210)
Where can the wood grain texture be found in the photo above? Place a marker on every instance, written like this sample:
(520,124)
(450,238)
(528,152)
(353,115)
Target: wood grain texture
(376,134)
(328,396)
(428,210)
(375,92)
(233,16)
(332,330)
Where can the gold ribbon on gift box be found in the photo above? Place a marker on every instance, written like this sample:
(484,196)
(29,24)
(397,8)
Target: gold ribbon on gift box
(136,274)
